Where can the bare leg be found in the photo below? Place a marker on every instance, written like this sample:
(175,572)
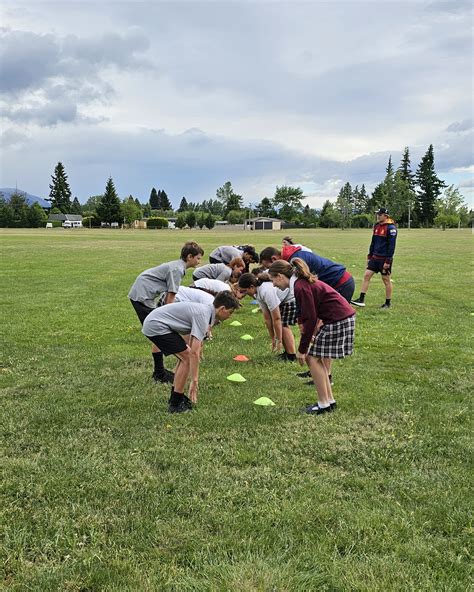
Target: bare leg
(320,379)
(181,371)
(388,286)
(288,340)
(328,365)
(365,282)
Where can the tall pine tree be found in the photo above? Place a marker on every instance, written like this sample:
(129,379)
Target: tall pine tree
(405,169)
(109,209)
(165,202)
(60,192)
(154,200)
(344,205)
(183,206)
(76,207)
(429,189)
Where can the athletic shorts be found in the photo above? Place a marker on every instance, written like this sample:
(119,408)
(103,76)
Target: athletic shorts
(334,340)
(213,260)
(376,265)
(288,313)
(141,309)
(169,344)
(346,290)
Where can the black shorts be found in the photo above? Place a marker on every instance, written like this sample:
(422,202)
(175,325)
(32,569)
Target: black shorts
(376,265)
(169,344)
(141,309)
(346,290)
(213,260)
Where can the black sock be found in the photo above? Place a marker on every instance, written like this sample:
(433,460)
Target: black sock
(158,361)
(291,356)
(388,301)
(175,398)
(362,296)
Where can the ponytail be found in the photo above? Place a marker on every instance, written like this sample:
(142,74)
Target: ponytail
(302,271)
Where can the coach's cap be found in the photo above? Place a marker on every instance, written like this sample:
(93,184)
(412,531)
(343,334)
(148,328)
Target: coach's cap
(381,211)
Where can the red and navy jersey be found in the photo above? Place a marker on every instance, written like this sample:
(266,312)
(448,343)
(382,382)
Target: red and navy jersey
(384,238)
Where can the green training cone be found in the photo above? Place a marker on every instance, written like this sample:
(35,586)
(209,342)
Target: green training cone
(236,324)
(265,401)
(246,337)
(236,378)
(255,310)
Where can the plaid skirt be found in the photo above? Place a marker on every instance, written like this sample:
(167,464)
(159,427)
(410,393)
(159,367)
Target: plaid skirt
(288,313)
(335,340)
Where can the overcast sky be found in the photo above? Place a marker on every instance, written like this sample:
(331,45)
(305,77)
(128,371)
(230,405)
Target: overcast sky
(184,96)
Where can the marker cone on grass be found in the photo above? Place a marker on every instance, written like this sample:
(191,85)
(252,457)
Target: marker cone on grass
(264,401)
(241,358)
(236,324)
(246,337)
(236,378)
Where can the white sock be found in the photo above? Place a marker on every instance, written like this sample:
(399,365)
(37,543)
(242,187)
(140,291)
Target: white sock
(331,401)
(322,406)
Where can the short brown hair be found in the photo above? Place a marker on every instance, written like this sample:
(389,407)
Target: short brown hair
(227,300)
(191,248)
(268,253)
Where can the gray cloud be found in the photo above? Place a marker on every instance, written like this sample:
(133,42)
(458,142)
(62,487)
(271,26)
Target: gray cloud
(460,126)
(53,77)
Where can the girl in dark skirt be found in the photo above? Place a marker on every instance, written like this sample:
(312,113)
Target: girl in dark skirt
(327,321)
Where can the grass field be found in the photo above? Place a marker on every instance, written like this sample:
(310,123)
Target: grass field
(104,490)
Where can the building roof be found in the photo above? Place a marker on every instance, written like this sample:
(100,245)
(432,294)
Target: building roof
(264,219)
(64,217)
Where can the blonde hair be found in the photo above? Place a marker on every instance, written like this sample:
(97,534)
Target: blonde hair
(302,271)
(297,267)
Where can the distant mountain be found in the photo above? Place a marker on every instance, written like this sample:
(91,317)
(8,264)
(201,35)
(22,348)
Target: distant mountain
(7,192)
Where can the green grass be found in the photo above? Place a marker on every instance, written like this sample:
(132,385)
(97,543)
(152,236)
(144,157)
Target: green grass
(103,490)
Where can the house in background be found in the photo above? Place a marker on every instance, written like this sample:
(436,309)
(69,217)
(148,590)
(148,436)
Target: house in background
(263,223)
(68,220)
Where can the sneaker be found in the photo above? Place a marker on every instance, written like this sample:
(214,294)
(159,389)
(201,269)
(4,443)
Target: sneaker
(166,376)
(315,409)
(333,405)
(181,407)
(306,374)
(386,305)
(358,302)
(285,357)
(188,403)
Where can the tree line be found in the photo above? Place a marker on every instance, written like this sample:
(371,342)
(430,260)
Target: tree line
(414,199)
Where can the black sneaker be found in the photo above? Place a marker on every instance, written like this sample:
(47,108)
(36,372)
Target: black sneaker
(306,374)
(333,405)
(188,403)
(166,376)
(315,409)
(181,407)
(358,302)
(386,305)
(285,357)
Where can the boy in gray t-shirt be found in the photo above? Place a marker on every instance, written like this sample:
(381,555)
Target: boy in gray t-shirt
(158,280)
(226,253)
(165,327)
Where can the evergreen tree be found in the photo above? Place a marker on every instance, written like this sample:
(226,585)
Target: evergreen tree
(19,209)
(210,221)
(129,211)
(344,205)
(183,205)
(429,188)
(191,219)
(165,202)
(405,169)
(76,207)
(154,200)
(376,200)
(36,216)
(60,192)
(109,209)
(138,204)
(401,206)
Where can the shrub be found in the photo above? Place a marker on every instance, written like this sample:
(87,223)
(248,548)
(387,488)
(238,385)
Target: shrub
(157,222)
(88,221)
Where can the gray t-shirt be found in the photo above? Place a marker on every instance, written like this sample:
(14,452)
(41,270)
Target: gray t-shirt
(215,286)
(192,295)
(226,253)
(180,317)
(213,271)
(156,280)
